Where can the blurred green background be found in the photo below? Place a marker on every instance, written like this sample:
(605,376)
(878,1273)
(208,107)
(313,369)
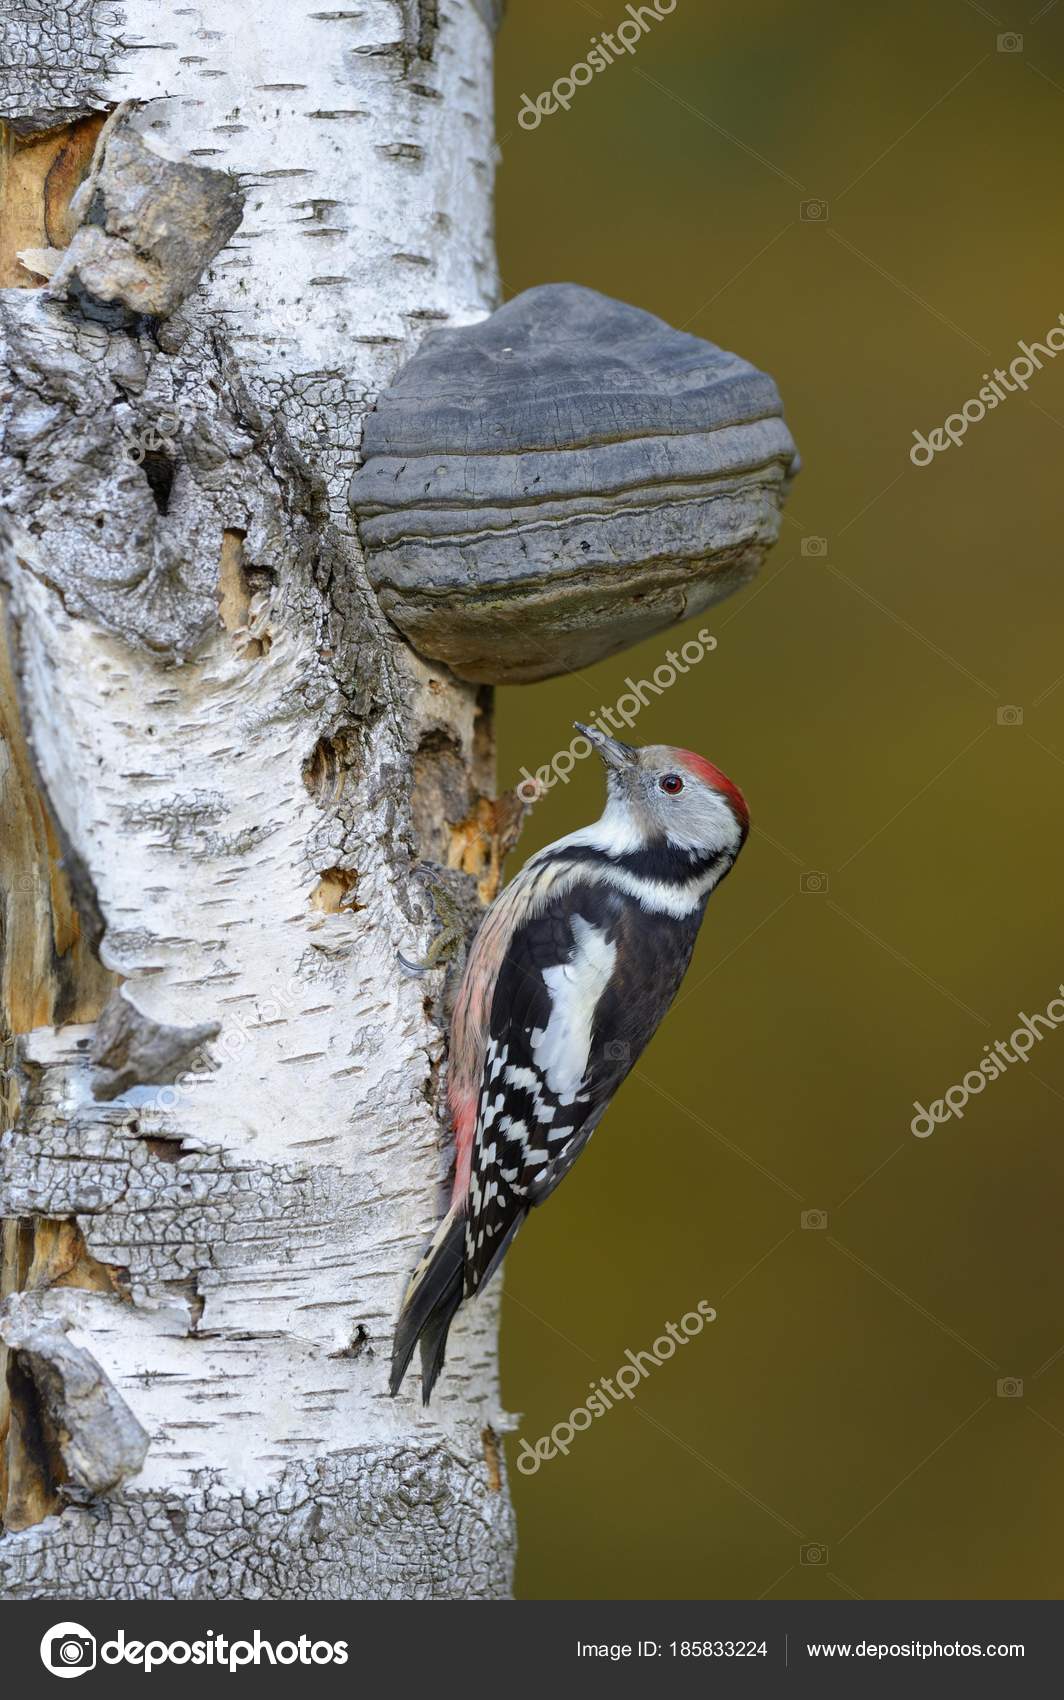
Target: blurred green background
(846,1401)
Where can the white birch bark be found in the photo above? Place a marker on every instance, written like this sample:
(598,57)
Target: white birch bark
(251,781)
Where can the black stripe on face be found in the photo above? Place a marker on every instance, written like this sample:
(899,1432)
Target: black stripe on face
(659,860)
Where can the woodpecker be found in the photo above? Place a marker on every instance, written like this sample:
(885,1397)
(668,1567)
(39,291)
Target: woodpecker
(569,975)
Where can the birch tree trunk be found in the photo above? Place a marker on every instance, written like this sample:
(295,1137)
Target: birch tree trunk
(229,797)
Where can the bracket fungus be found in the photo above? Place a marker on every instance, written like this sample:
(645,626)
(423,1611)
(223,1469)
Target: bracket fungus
(562,480)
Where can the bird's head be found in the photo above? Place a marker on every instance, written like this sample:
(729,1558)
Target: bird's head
(661,793)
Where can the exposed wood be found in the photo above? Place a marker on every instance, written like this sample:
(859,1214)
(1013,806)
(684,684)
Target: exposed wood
(480,843)
(48,970)
(493,1459)
(48,973)
(37,1254)
(335,891)
(237,602)
(38,176)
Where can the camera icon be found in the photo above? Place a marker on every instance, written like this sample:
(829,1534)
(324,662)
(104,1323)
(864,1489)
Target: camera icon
(814,883)
(1010,1387)
(817,1220)
(1010,42)
(68,1649)
(814,1553)
(814,212)
(814,548)
(1010,715)
(615,1050)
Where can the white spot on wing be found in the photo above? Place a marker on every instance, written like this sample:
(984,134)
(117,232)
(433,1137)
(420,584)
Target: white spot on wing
(561,1049)
(522,1077)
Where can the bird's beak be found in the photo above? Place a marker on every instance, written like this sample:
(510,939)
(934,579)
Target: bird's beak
(613,752)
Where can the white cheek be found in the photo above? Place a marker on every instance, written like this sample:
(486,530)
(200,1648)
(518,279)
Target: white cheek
(708,825)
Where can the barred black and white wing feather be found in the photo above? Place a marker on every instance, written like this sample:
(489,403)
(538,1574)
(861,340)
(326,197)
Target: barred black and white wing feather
(569,1017)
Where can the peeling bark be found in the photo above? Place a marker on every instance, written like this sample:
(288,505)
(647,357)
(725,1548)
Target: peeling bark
(37,1255)
(230,775)
(147,228)
(128,1049)
(98,1440)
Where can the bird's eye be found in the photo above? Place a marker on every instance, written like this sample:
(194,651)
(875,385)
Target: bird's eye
(671,782)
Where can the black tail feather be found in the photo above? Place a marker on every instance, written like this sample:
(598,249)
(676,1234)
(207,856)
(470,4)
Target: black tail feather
(434,1340)
(433,1297)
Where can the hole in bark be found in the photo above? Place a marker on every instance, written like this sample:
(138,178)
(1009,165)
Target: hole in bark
(335,892)
(359,1344)
(234,592)
(329,765)
(492,1459)
(166,1150)
(158,469)
(235,596)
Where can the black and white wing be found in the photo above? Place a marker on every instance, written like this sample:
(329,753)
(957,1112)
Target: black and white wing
(582,987)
